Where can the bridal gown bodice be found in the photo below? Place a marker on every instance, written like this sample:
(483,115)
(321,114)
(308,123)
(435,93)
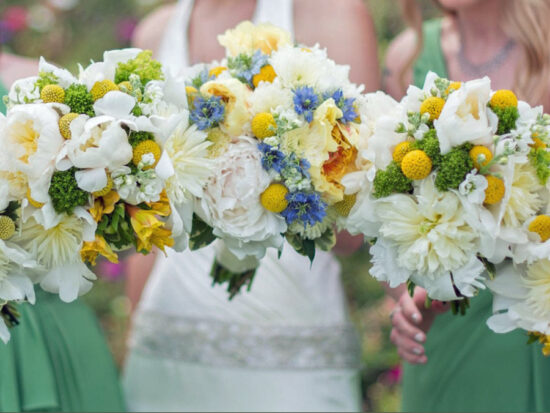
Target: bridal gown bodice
(285,345)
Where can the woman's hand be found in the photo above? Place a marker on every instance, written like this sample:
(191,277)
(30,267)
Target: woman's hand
(411,321)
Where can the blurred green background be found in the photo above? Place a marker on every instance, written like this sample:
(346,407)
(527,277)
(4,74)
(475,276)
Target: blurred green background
(72,31)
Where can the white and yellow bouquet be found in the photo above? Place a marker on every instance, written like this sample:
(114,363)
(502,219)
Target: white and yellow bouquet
(279,126)
(78,173)
(458,193)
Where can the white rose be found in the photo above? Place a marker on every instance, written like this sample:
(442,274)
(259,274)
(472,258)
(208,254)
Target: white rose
(231,202)
(466,118)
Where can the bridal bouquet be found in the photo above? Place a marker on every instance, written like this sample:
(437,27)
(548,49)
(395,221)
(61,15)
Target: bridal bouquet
(278,126)
(77,171)
(460,180)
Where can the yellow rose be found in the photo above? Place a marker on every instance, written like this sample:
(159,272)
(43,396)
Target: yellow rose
(247,38)
(235,96)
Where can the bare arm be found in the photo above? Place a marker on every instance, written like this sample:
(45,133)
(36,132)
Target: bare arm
(138,267)
(14,67)
(350,38)
(399,53)
(148,34)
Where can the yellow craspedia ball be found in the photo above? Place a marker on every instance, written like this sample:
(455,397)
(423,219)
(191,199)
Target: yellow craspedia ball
(416,165)
(125,87)
(480,152)
(216,71)
(495,190)
(267,74)
(65,124)
(541,225)
(145,147)
(274,198)
(401,150)
(34,203)
(101,88)
(344,207)
(432,105)
(263,125)
(52,93)
(453,86)
(504,99)
(105,190)
(7,227)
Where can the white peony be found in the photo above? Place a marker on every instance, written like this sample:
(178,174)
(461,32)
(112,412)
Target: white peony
(297,67)
(431,233)
(465,116)
(521,298)
(269,96)
(380,115)
(231,202)
(31,140)
(98,145)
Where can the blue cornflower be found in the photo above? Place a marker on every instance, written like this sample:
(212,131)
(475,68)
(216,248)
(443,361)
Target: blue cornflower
(208,112)
(345,105)
(306,207)
(301,165)
(272,158)
(305,102)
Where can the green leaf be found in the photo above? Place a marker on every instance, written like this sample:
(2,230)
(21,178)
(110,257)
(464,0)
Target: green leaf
(236,281)
(302,246)
(201,234)
(326,241)
(489,267)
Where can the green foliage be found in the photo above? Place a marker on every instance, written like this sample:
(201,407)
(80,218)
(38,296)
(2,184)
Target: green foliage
(236,281)
(136,138)
(201,234)
(143,65)
(507,118)
(454,167)
(45,79)
(116,228)
(65,193)
(11,211)
(326,241)
(430,144)
(303,246)
(79,100)
(540,159)
(391,181)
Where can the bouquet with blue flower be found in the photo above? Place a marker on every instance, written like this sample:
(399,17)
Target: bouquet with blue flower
(284,128)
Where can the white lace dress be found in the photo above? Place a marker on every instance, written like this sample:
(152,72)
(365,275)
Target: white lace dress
(287,345)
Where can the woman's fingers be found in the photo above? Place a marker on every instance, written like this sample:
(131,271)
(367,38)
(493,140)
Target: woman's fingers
(406,328)
(410,309)
(408,349)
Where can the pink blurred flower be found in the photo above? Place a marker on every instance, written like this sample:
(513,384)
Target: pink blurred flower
(125,29)
(110,271)
(393,375)
(15,18)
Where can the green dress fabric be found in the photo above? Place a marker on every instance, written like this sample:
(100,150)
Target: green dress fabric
(469,367)
(57,359)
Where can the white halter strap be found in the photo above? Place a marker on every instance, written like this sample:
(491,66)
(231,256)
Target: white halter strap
(174,48)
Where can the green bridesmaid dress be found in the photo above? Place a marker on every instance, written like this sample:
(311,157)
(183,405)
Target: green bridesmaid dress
(469,367)
(57,358)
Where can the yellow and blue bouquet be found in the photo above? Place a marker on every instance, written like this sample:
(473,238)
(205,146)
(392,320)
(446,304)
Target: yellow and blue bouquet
(281,127)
